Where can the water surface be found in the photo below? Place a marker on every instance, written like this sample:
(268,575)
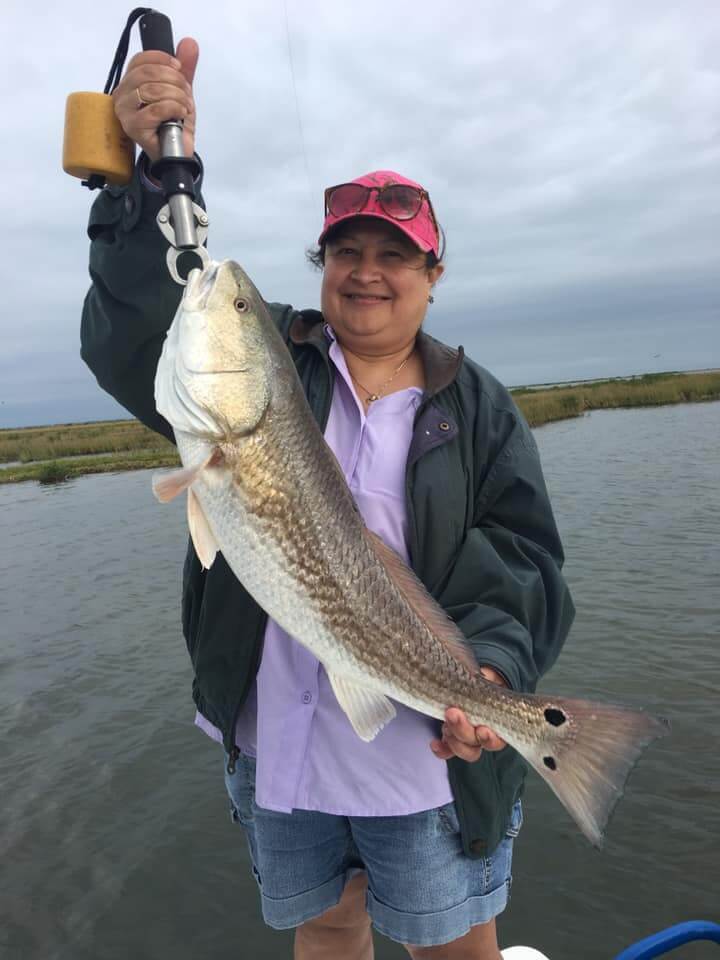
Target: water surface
(115,839)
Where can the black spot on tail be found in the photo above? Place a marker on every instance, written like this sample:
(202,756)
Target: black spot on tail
(555,717)
(550,763)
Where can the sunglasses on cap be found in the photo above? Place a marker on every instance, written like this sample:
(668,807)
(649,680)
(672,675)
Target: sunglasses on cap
(400,201)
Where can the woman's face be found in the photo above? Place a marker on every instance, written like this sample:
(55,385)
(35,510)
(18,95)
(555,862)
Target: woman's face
(375,286)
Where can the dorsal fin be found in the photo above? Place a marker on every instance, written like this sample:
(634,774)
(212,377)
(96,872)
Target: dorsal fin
(424,605)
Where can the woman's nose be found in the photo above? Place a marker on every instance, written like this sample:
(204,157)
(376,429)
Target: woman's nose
(366,268)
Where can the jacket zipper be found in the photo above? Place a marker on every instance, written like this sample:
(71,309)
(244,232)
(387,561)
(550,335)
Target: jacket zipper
(410,509)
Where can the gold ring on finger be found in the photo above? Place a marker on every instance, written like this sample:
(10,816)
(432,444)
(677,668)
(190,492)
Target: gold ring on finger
(141,103)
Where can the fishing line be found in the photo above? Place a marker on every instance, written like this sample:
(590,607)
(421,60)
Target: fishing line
(297,104)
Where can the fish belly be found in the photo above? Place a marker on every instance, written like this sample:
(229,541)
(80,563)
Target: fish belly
(256,551)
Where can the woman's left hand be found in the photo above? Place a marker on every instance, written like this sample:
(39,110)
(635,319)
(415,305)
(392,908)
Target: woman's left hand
(460,738)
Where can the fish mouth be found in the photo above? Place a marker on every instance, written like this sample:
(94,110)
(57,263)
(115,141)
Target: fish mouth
(200,285)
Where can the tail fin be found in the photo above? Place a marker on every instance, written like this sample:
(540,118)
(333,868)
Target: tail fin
(586,754)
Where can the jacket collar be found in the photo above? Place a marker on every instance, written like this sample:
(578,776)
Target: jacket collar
(441,362)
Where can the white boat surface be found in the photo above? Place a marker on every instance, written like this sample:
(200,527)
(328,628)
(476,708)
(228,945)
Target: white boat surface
(522,953)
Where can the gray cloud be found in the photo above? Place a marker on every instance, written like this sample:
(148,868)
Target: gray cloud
(571,150)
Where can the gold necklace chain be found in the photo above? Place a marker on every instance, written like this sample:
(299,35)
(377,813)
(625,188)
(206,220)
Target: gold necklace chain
(379,393)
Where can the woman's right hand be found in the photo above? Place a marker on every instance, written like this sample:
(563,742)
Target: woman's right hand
(166,82)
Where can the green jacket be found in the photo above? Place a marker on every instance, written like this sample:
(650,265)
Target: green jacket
(482,535)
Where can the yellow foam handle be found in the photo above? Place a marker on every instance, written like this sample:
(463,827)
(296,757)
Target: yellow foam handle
(94,141)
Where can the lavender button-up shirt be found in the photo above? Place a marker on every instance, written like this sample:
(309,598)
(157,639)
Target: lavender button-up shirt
(308,755)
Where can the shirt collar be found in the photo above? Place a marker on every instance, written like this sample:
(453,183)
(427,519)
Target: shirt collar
(442,363)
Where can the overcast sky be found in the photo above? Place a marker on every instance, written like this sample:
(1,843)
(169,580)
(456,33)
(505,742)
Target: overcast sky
(571,149)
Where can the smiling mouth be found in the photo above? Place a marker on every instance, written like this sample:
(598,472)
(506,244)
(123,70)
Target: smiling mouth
(365,298)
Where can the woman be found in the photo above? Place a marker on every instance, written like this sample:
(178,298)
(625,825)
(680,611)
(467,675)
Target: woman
(412,832)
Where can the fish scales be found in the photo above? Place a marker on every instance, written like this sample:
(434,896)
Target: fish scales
(312,520)
(264,488)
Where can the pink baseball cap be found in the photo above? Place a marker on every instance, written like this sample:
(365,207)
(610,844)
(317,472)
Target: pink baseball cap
(421,228)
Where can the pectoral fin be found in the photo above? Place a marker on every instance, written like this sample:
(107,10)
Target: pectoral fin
(202,536)
(367,711)
(167,486)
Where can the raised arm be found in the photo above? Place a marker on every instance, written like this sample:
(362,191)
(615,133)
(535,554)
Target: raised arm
(132,300)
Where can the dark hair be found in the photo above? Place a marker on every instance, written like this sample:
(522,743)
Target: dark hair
(316,255)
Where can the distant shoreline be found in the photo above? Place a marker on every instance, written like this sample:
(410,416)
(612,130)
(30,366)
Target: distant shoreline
(52,454)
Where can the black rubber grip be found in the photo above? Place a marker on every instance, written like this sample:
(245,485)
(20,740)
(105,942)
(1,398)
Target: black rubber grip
(177,174)
(156,33)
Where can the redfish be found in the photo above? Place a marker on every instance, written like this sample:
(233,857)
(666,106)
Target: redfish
(265,490)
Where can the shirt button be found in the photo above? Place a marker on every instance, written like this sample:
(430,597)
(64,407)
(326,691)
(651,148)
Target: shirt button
(307,697)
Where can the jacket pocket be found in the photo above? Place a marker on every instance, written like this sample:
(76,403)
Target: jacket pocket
(105,215)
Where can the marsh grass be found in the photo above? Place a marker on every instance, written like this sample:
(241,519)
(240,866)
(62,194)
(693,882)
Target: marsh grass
(78,439)
(115,445)
(139,460)
(651,390)
(52,472)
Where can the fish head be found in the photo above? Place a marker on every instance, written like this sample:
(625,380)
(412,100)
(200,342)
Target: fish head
(213,377)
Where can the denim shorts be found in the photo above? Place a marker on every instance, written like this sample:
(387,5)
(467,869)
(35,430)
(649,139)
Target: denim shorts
(422,889)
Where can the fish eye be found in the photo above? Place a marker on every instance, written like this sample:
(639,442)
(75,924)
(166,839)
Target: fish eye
(241,305)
